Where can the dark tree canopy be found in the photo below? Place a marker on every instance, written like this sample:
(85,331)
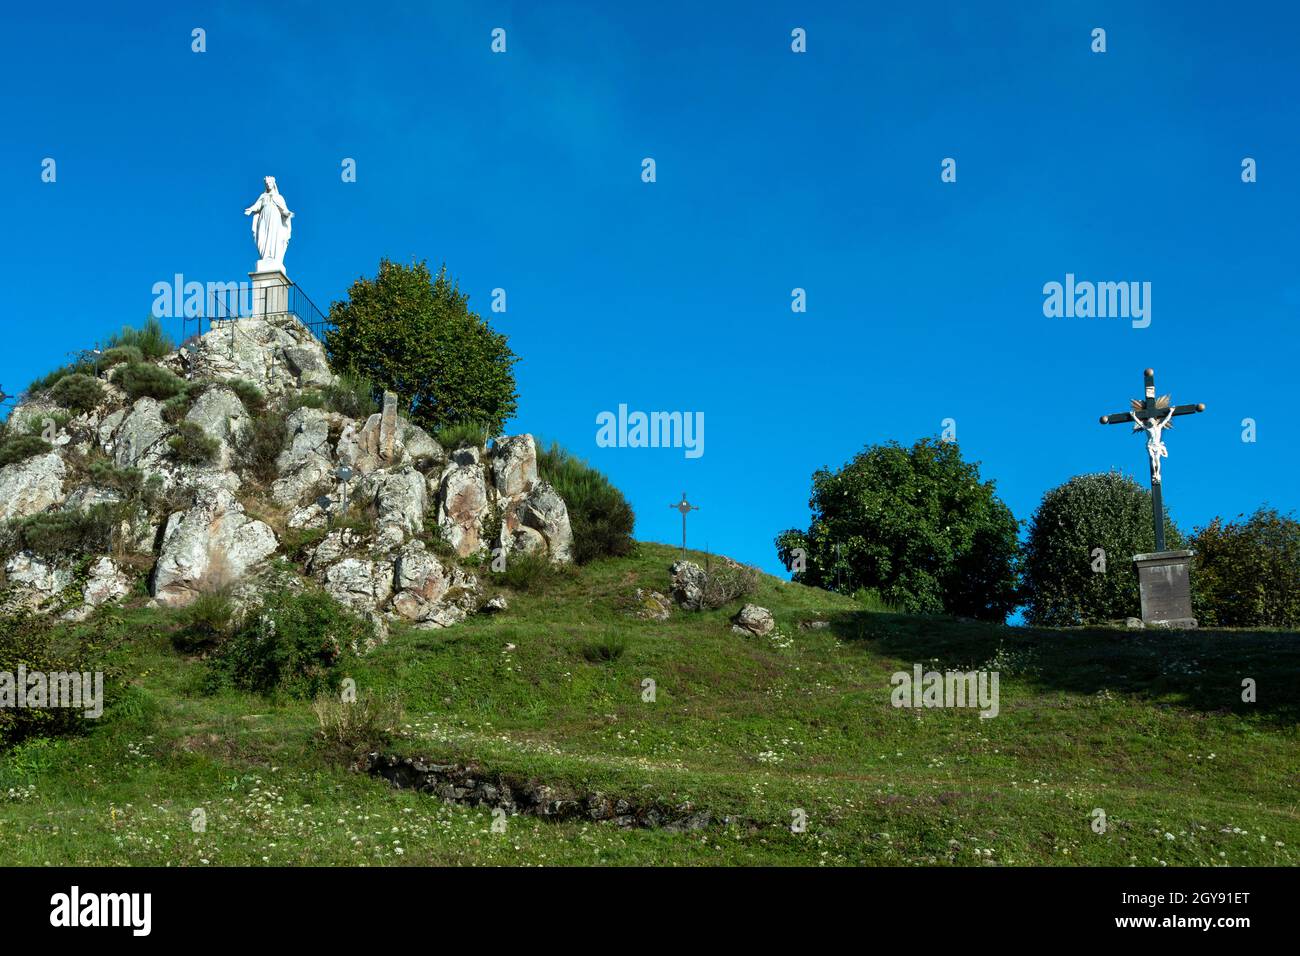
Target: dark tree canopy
(1107,511)
(1247,573)
(413,333)
(917,526)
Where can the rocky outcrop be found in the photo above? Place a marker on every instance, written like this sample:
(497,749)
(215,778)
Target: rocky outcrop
(31,486)
(191,516)
(208,547)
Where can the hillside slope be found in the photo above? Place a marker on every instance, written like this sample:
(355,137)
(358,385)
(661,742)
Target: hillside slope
(1147,726)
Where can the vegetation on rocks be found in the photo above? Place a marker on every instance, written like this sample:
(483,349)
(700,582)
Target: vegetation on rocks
(413,333)
(601,517)
(77,392)
(192,446)
(16,448)
(140,380)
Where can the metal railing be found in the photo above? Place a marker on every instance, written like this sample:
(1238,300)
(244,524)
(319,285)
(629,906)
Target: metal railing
(231,301)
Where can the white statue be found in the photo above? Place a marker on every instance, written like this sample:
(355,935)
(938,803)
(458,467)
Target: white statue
(1155,447)
(272,227)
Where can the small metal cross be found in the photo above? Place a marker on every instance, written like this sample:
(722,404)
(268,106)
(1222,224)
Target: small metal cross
(685,507)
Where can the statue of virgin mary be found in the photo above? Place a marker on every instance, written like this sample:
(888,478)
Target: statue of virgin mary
(272,227)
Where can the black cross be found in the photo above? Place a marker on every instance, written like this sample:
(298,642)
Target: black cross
(1151,407)
(685,507)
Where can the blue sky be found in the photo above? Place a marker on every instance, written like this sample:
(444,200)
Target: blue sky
(775,170)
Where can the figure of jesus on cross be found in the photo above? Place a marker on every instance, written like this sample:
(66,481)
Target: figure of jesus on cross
(1153,415)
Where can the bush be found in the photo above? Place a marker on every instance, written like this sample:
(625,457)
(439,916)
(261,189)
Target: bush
(150,339)
(527,572)
(249,394)
(1107,511)
(601,518)
(354,729)
(29,643)
(140,380)
(260,444)
(205,623)
(50,379)
(915,524)
(36,423)
(120,354)
(292,644)
(462,435)
(727,581)
(16,448)
(78,393)
(129,482)
(54,533)
(352,396)
(414,333)
(1247,573)
(192,446)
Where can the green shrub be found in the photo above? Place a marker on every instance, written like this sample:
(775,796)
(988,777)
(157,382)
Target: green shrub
(36,423)
(16,448)
(31,644)
(129,482)
(77,392)
(149,338)
(205,623)
(55,533)
(49,379)
(1107,511)
(140,380)
(292,644)
(414,333)
(260,444)
(249,394)
(354,729)
(1247,573)
(352,396)
(915,524)
(120,354)
(527,572)
(192,446)
(601,518)
(462,435)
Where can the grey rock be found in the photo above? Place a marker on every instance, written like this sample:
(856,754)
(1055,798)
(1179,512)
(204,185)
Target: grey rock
(106,582)
(542,511)
(141,432)
(31,486)
(462,504)
(514,466)
(688,580)
(752,619)
(211,545)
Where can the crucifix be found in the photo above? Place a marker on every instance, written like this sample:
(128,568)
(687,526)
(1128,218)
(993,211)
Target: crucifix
(1153,415)
(685,507)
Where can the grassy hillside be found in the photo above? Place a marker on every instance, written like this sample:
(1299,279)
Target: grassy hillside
(1148,726)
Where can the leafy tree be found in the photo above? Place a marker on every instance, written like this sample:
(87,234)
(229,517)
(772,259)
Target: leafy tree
(1247,573)
(917,526)
(1064,581)
(413,333)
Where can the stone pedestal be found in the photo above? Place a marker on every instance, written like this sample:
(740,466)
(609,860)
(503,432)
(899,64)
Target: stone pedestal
(270,289)
(1165,586)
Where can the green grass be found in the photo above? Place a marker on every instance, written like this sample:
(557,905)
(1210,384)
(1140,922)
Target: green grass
(1149,727)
